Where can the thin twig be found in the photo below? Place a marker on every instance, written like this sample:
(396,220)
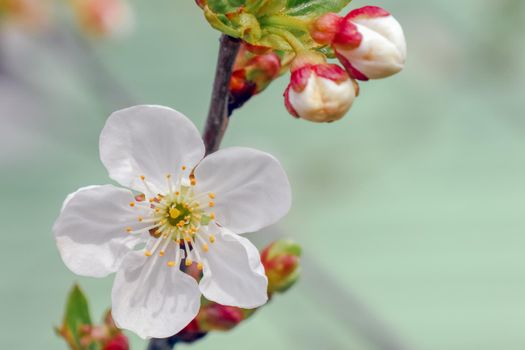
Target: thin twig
(217,121)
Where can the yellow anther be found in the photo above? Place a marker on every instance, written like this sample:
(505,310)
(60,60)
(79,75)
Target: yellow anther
(151,200)
(193,182)
(142,177)
(161,253)
(205,247)
(140,218)
(157,210)
(189,262)
(211,204)
(200,266)
(212,216)
(183,168)
(171,263)
(132,204)
(168,176)
(147,253)
(177,193)
(174,213)
(129,229)
(187,238)
(211,195)
(212,239)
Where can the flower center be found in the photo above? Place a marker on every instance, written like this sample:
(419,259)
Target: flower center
(180,221)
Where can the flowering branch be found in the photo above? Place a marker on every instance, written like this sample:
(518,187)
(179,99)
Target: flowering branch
(218,114)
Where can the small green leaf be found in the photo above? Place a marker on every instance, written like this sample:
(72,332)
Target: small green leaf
(314,8)
(75,316)
(225,6)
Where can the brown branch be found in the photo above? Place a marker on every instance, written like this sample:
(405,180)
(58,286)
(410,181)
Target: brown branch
(217,121)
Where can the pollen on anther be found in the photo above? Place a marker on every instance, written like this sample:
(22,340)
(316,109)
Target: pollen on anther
(193,182)
(212,216)
(171,263)
(183,167)
(142,177)
(131,204)
(188,262)
(200,266)
(129,229)
(140,218)
(211,204)
(147,253)
(205,247)
(211,195)
(161,253)
(212,238)
(168,176)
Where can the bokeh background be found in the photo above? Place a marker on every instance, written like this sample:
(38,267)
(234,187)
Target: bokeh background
(411,210)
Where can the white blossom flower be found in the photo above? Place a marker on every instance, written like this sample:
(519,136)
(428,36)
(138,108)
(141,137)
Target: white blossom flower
(189,211)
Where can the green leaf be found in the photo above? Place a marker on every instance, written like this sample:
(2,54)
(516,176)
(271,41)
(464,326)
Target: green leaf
(76,315)
(314,8)
(225,6)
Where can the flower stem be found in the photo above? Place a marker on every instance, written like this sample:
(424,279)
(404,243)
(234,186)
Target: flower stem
(217,121)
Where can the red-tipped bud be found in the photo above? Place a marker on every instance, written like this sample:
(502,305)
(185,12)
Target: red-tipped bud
(281,263)
(319,92)
(218,317)
(368,41)
(325,28)
(118,342)
(201,3)
(252,74)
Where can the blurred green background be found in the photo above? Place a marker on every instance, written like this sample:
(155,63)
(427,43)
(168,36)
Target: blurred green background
(411,210)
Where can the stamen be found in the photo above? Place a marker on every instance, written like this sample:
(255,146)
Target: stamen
(211,204)
(211,195)
(132,204)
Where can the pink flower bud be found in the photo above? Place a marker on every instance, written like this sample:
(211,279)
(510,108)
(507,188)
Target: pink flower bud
(319,92)
(281,263)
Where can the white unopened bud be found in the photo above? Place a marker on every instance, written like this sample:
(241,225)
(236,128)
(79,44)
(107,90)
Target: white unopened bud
(370,44)
(320,93)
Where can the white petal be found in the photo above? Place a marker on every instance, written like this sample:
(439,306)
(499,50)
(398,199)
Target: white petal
(149,141)
(90,231)
(233,272)
(152,299)
(251,187)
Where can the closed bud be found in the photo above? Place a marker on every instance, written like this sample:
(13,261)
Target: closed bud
(252,74)
(281,263)
(368,41)
(216,317)
(118,342)
(318,91)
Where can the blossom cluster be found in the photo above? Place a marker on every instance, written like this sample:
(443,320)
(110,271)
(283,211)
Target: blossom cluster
(368,42)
